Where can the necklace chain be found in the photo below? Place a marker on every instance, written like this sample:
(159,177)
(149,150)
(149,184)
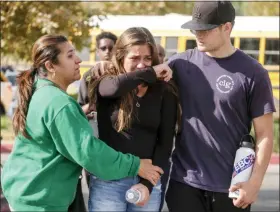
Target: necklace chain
(137,101)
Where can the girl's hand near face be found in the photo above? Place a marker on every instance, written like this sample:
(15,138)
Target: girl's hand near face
(100,68)
(163,72)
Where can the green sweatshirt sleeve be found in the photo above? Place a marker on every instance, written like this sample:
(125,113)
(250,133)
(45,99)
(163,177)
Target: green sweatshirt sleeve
(73,138)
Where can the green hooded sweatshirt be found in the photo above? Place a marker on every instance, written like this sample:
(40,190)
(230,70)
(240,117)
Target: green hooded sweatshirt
(41,173)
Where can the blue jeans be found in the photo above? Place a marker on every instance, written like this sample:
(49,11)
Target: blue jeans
(110,195)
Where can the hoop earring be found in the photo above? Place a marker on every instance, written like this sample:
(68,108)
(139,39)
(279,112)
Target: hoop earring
(53,75)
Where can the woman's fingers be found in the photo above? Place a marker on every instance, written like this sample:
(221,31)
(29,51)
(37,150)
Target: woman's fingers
(149,171)
(163,72)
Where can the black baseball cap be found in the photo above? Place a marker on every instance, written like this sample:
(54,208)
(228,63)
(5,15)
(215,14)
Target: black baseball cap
(209,15)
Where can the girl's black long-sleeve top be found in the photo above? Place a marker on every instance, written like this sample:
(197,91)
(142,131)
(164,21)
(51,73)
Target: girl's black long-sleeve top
(152,129)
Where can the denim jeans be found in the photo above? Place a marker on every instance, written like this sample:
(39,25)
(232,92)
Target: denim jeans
(110,195)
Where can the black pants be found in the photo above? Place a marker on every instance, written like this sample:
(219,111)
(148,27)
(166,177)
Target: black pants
(181,197)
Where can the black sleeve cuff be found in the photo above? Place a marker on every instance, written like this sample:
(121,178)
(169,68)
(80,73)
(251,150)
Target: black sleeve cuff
(147,75)
(148,184)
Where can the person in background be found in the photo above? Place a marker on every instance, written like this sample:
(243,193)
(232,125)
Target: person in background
(137,113)
(161,53)
(223,92)
(53,137)
(105,42)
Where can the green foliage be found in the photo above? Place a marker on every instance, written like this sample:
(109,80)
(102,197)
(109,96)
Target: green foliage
(24,22)
(257,8)
(142,8)
(164,7)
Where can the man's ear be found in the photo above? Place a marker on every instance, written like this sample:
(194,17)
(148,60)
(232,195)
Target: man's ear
(49,66)
(228,26)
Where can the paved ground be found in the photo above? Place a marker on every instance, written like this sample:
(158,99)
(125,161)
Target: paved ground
(269,196)
(268,200)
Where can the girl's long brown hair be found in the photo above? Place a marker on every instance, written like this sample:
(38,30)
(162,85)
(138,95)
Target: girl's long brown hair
(130,37)
(45,49)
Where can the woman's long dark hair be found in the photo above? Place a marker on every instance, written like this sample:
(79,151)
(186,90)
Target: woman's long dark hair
(45,49)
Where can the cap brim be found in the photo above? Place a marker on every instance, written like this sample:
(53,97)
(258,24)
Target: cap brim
(193,25)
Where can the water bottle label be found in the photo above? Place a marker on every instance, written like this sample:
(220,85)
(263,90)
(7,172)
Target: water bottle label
(243,164)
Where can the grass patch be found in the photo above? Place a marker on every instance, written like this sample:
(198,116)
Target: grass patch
(75,96)
(276,136)
(7,132)
(6,123)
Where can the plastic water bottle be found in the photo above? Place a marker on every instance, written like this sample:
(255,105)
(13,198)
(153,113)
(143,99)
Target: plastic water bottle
(94,124)
(243,163)
(133,196)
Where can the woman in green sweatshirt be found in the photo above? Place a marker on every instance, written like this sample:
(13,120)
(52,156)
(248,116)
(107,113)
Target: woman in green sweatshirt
(54,139)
